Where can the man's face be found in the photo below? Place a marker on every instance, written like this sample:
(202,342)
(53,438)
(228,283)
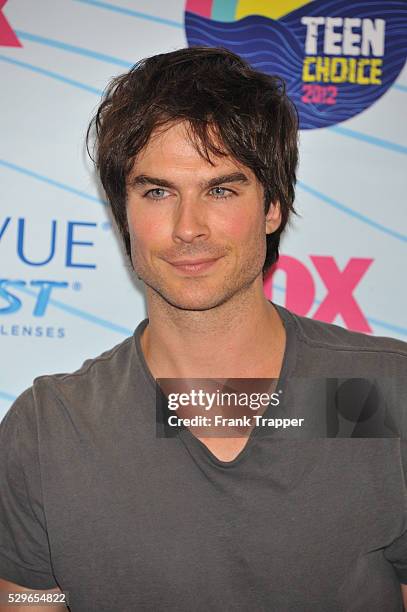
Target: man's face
(181,210)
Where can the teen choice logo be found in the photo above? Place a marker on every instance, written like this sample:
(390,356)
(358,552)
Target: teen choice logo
(337,57)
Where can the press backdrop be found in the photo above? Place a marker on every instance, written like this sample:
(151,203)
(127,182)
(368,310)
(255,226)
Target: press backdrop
(66,290)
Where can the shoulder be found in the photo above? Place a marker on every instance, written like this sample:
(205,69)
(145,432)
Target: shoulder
(338,351)
(97,387)
(336,338)
(94,376)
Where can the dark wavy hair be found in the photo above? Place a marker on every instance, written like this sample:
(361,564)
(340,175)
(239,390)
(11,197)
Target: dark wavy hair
(231,109)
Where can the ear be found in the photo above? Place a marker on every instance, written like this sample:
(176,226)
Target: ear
(273,217)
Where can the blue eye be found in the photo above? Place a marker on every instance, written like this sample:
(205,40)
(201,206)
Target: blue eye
(221,192)
(155,194)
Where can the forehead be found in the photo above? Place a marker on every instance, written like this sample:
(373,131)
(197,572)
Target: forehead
(172,148)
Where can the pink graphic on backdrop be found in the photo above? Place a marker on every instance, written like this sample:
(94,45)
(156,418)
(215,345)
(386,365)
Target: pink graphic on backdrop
(7,35)
(341,285)
(300,287)
(339,300)
(200,7)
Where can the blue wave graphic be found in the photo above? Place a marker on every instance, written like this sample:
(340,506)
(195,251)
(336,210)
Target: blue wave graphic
(50,181)
(130,12)
(278,47)
(51,74)
(7,396)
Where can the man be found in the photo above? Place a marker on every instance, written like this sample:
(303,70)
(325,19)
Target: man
(197,154)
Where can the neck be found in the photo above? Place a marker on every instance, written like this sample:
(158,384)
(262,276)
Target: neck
(242,338)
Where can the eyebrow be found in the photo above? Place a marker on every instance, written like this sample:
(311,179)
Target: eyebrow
(144,179)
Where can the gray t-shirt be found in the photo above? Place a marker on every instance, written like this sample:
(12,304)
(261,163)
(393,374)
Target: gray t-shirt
(94,502)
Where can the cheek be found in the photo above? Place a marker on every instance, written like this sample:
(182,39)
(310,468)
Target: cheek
(146,232)
(243,228)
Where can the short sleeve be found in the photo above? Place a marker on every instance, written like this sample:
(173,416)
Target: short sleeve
(396,552)
(24,547)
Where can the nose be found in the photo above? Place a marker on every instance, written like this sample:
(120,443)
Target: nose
(190,221)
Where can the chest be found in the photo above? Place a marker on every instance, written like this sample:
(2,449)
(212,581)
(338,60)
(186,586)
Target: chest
(169,523)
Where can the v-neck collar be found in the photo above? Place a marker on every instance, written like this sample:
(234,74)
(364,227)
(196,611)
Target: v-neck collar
(193,443)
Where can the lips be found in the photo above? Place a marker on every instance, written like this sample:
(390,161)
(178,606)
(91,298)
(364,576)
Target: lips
(193,266)
(191,262)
